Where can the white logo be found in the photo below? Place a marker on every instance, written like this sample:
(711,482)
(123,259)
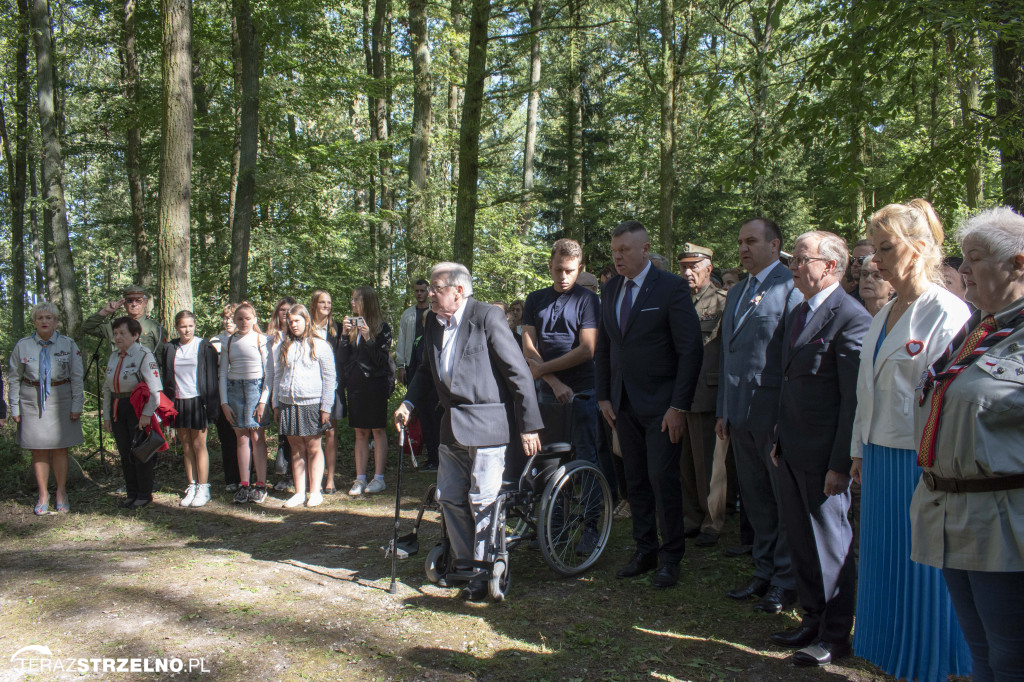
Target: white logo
(36,648)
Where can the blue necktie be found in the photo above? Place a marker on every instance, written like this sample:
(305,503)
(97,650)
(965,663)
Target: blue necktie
(44,372)
(626,306)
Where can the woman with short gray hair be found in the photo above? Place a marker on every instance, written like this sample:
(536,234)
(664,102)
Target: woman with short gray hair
(46,394)
(967,512)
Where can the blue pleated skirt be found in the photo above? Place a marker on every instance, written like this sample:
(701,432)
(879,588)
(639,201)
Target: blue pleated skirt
(905,622)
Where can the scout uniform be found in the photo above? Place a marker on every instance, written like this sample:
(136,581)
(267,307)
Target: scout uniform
(153,337)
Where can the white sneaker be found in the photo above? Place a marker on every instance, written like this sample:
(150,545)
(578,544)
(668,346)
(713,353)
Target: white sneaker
(295,500)
(202,495)
(190,494)
(376,486)
(231,487)
(358,488)
(315,500)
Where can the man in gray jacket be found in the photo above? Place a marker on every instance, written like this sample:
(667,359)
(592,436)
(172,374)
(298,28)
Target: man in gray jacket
(486,390)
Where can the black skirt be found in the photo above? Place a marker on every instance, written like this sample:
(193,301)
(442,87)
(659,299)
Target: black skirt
(191,414)
(299,420)
(367,401)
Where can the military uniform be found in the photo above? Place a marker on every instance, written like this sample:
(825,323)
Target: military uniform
(153,338)
(699,441)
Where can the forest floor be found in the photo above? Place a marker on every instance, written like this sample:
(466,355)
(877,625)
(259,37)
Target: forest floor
(262,592)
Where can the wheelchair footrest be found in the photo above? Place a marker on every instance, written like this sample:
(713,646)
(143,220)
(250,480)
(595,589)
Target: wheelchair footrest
(470,570)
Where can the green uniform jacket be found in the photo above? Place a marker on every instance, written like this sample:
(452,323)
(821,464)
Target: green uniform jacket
(710,304)
(154,336)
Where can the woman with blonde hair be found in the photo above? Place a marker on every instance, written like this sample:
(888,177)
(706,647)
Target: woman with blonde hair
(244,392)
(302,383)
(46,396)
(324,325)
(364,352)
(905,620)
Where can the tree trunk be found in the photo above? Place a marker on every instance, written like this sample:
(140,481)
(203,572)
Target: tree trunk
(176,160)
(1008,73)
(571,220)
(248,134)
(469,135)
(38,266)
(419,143)
(967,63)
(379,103)
(17,162)
(533,102)
(53,180)
(133,149)
(667,140)
(762,33)
(454,102)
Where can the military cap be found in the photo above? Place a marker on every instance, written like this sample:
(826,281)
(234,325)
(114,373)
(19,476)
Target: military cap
(694,252)
(135,289)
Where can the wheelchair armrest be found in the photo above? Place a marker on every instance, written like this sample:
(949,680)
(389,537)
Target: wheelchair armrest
(552,449)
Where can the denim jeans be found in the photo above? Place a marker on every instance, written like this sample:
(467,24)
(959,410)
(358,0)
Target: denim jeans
(990,608)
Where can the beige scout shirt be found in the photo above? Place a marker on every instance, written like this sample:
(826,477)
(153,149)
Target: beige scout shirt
(124,374)
(981,434)
(65,364)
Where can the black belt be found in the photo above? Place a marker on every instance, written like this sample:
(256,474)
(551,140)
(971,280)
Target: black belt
(119,396)
(972,485)
(52,383)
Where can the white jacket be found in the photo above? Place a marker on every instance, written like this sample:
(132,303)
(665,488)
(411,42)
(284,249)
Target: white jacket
(305,380)
(885,388)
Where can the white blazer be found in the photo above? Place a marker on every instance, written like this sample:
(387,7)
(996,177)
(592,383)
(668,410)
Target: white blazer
(885,387)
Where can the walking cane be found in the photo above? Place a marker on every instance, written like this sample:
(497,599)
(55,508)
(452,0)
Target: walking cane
(398,502)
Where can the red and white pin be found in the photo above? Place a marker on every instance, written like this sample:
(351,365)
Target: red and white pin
(914,347)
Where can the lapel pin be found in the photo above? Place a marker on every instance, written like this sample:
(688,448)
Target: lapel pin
(914,347)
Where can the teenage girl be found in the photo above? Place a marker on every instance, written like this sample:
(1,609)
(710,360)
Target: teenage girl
(243,396)
(302,385)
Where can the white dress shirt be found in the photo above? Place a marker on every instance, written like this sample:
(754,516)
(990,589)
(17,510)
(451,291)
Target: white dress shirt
(639,282)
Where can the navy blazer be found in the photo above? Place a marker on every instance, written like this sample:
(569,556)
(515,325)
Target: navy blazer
(818,399)
(657,361)
(492,396)
(750,369)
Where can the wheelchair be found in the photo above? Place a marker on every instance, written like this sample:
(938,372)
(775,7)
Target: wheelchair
(562,505)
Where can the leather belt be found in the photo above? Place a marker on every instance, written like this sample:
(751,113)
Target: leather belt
(52,383)
(972,485)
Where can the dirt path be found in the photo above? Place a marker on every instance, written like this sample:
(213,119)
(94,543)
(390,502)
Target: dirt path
(268,593)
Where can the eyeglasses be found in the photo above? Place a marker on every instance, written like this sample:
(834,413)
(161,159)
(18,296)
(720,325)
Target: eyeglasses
(860,259)
(134,300)
(800,261)
(437,289)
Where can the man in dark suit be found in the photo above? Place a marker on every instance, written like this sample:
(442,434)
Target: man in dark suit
(812,453)
(486,390)
(648,357)
(749,379)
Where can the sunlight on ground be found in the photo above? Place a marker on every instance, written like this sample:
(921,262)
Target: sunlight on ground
(696,638)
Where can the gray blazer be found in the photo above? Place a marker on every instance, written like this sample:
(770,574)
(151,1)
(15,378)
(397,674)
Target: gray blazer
(492,396)
(750,369)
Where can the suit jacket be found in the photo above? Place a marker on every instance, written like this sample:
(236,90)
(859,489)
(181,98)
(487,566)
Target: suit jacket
(657,361)
(885,386)
(710,304)
(750,372)
(492,396)
(818,398)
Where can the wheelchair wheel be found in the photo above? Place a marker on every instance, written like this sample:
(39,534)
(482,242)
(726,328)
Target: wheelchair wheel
(501,573)
(438,563)
(575,518)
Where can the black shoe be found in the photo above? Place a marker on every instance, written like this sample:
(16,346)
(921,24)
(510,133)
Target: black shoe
(706,540)
(127,503)
(794,638)
(822,653)
(476,590)
(776,600)
(757,587)
(428,467)
(141,502)
(666,576)
(737,550)
(692,533)
(640,563)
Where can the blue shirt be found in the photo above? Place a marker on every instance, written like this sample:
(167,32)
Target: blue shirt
(558,319)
